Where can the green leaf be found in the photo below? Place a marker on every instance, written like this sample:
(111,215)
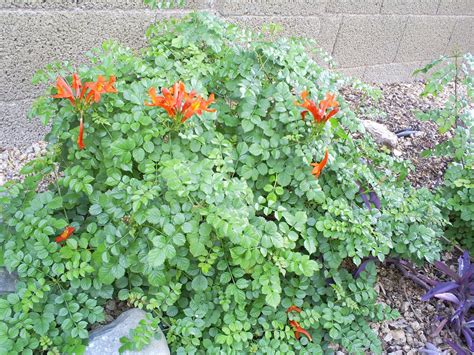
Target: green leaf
(138,155)
(199,283)
(273,299)
(94,210)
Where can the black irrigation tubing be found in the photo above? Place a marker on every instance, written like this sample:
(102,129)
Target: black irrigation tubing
(406,132)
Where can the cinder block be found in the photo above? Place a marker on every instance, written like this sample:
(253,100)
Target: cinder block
(391,73)
(91,4)
(354,6)
(425,37)
(269,7)
(462,39)
(456,7)
(322,29)
(135,4)
(15,129)
(367,40)
(32,39)
(357,73)
(38,4)
(410,7)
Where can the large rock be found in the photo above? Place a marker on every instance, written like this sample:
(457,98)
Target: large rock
(106,340)
(380,133)
(7,281)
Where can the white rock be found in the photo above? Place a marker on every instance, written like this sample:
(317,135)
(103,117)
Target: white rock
(106,340)
(398,336)
(380,133)
(7,280)
(397,153)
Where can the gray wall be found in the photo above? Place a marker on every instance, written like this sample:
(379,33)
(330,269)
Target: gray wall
(376,40)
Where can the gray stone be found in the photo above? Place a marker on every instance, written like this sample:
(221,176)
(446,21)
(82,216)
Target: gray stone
(273,7)
(380,133)
(106,340)
(322,29)
(412,7)
(462,38)
(456,7)
(15,128)
(425,37)
(398,336)
(357,73)
(393,72)
(38,4)
(354,6)
(7,281)
(368,40)
(388,338)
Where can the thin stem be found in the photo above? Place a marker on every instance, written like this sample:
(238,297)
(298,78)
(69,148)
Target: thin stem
(60,195)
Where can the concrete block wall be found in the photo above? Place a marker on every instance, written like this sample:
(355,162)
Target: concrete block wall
(376,40)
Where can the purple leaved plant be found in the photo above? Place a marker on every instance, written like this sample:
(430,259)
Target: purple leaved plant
(369,198)
(459,292)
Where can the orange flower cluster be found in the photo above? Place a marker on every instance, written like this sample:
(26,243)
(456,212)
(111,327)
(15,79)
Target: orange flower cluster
(65,234)
(296,326)
(179,104)
(320,112)
(82,95)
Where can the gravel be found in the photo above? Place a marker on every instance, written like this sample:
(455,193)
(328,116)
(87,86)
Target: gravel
(416,325)
(12,160)
(396,109)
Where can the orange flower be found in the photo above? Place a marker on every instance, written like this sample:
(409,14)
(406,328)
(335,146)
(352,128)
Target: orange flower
(178,103)
(96,89)
(293,308)
(320,112)
(82,96)
(92,89)
(296,326)
(80,142)
(64,91)
(76,84)
(300,330)
(318,167)
(65,234)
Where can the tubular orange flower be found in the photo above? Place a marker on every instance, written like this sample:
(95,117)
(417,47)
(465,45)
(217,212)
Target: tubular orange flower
(65,234)
(320,112)
(300,330)
(318,167)
(293,308)
(82,96)
(76,84)
(179,104)
(64,90)
(296,326)
(101,86)
(80,142)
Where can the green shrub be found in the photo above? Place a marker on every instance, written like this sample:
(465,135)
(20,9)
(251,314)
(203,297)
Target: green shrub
(215,226)
(457,116)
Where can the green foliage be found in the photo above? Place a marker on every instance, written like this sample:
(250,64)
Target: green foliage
(457,117)
(164,4)
(214,229)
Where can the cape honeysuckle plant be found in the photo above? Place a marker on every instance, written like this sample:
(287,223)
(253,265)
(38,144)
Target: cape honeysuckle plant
(215,226)
(457,116)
